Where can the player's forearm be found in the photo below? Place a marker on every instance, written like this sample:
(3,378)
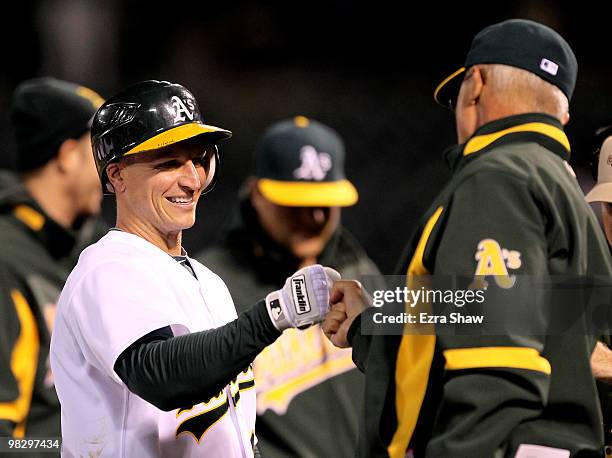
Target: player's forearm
(186,370)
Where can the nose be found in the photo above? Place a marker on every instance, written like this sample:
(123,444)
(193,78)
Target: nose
(190,176)
(312,216)
(318,215)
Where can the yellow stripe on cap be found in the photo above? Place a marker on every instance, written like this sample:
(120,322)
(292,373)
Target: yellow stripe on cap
(491,357)
(95,98)
(309,194)
(444,82)
(175,135)
(24,359)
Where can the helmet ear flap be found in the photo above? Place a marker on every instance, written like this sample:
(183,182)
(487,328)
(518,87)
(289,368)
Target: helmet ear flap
(212,156)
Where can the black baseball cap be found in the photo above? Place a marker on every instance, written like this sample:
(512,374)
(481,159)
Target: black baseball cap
(518,43)
(44,113)
(299,162)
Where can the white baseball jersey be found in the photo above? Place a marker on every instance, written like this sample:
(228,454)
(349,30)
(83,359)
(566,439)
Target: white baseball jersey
(122,288)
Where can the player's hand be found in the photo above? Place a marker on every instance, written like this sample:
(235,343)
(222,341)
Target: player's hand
(304,299)
(348,299)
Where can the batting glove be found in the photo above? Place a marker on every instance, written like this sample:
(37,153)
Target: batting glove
(304,299)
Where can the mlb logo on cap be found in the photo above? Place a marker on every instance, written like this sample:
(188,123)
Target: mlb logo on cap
(549,66)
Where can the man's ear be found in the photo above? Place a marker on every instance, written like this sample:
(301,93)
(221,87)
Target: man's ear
(250,188)
(68,156)
(115,178)
(565,119)
(475,80)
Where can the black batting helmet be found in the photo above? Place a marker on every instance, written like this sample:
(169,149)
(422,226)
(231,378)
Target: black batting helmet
(147,116)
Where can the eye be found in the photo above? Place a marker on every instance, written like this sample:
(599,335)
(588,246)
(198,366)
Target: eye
(166,165)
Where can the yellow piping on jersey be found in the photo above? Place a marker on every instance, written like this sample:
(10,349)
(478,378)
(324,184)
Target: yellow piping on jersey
(24,360)
(479,142)
(509,357)
(414,358)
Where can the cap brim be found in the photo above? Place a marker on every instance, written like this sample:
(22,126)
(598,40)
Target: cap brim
(309,194)
(602,192)
(448,89)
(179,134)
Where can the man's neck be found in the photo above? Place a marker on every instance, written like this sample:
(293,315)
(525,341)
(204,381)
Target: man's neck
(51,198)
(168,242)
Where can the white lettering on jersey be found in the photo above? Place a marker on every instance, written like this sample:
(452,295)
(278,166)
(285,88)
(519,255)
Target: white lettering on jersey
(314,165)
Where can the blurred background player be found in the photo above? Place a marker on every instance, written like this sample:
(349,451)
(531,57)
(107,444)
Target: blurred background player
(46,205)
(602,191)
(601,360)
(308,392)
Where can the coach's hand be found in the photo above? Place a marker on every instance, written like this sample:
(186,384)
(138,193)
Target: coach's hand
(348,299)
(304,300)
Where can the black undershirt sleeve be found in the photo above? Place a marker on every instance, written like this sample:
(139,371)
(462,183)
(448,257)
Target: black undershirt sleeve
(174,372)
(360,342)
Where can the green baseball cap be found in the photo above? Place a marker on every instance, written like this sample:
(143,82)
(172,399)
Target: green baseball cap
(299,162)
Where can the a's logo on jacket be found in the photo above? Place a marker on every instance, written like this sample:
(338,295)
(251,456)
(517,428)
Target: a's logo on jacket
(314,165)
(182,109)
(495,260)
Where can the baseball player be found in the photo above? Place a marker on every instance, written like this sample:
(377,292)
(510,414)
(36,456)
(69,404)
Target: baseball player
(49,202)
(308,399)
(149,357)
(513,208)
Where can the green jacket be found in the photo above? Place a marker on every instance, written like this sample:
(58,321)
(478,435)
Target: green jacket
(513,206)
(308,392)
(36,256)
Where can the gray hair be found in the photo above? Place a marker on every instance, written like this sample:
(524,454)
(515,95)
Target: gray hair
(526,90)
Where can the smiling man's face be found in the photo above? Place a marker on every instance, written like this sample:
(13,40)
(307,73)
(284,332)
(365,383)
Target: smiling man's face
(160,190)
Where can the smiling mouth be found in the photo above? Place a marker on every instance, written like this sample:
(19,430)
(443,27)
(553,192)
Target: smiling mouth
(180,200)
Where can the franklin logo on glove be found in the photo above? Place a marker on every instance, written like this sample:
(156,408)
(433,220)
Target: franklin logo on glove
(300,298)
(304,299)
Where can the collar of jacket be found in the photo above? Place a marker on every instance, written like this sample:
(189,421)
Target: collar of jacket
(530,127)
(58,240)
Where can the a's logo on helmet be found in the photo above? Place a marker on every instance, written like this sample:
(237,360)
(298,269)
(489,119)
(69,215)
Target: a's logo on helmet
(182,109)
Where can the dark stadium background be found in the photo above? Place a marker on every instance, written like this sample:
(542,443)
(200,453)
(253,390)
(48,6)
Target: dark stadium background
(368,70)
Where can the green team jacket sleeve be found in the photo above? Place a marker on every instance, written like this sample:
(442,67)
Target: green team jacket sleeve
(493,223)
(18,356)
